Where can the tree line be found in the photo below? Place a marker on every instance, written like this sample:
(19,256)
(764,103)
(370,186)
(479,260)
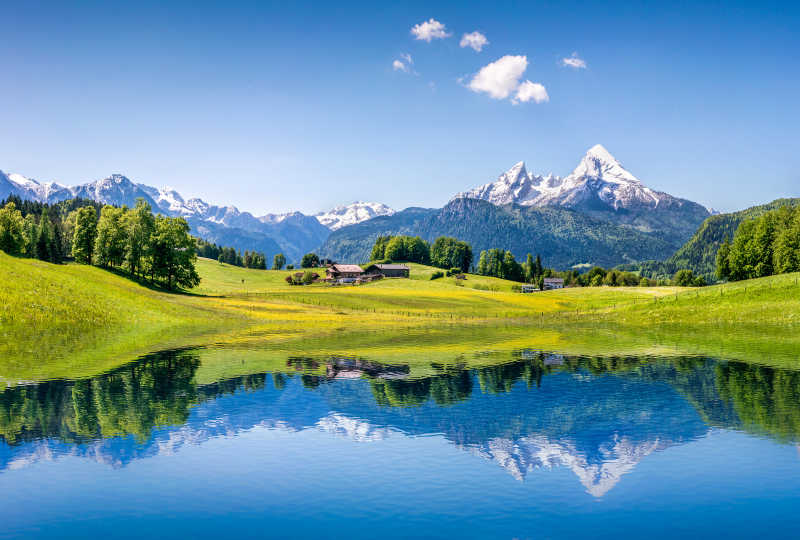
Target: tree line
(134,240)
(451,254)
(24,232)
(228,255)
(763,246)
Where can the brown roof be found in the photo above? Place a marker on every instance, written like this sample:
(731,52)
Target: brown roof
(347,268)
(392,266)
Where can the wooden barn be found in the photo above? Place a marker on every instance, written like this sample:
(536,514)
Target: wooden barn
(389,270)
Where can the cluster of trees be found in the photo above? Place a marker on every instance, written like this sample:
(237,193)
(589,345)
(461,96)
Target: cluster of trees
(401,248)
(38,230)
(501,263)
(598,277)
(278,261)
(228,255)
(310,260)
(134,240)
(447,252)
(763,246)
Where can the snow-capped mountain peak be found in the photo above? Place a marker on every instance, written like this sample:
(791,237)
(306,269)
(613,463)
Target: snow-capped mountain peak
(598,163)
(351,214)
(599,181)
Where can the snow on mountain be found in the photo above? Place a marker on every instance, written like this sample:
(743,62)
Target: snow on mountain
(602,188)
(350,214)
(279,218)
(526,454)
(116,189)
(169,200)
(599,177)
(28,188)
(516,186)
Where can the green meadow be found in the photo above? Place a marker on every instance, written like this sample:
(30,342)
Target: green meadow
(71,321)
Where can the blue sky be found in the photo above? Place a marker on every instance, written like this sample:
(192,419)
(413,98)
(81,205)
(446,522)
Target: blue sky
(291,105)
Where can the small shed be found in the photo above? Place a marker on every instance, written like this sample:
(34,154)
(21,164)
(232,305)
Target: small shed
(553,283)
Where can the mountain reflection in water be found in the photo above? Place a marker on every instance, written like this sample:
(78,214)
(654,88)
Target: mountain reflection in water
(599,417)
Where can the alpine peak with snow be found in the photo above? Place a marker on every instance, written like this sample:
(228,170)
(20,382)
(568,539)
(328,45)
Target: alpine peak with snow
(599,186)
(351,214)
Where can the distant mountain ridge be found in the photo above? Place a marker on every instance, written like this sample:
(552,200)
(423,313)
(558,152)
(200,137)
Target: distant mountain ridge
(350,214)
(292,233)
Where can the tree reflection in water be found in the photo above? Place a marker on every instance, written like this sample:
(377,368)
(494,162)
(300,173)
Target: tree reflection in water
(160,390)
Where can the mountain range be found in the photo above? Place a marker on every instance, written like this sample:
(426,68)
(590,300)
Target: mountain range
(600,213)
(292,233)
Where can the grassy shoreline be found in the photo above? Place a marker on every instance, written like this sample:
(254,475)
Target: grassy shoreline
(74,321)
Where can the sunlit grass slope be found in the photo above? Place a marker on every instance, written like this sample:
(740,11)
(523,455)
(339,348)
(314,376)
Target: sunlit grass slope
(773,301)
(65,311)
(73,320)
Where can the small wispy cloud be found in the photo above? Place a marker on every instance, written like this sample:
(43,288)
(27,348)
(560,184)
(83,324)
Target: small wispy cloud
(530,91)
(574,61)
(429,30)
(476,40)
(403,64)
(501,79)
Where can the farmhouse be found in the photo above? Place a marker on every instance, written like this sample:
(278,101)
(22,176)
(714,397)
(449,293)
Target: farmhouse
(553,283)
(388,270)
(344,271)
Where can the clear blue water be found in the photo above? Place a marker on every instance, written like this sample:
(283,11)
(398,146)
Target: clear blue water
(543,446)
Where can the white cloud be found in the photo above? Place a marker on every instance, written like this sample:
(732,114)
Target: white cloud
(574,62)
(404,64)
(429,30)
(530,91)
(476,40)
(500,78)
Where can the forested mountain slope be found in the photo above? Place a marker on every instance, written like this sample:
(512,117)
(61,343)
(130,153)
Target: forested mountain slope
(562,237)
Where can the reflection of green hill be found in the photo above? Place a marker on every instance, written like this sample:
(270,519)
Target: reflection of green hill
(133,400)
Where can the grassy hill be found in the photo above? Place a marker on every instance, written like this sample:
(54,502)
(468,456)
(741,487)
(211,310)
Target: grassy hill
(72,320)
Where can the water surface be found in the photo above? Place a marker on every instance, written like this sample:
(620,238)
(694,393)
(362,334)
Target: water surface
(531,445)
